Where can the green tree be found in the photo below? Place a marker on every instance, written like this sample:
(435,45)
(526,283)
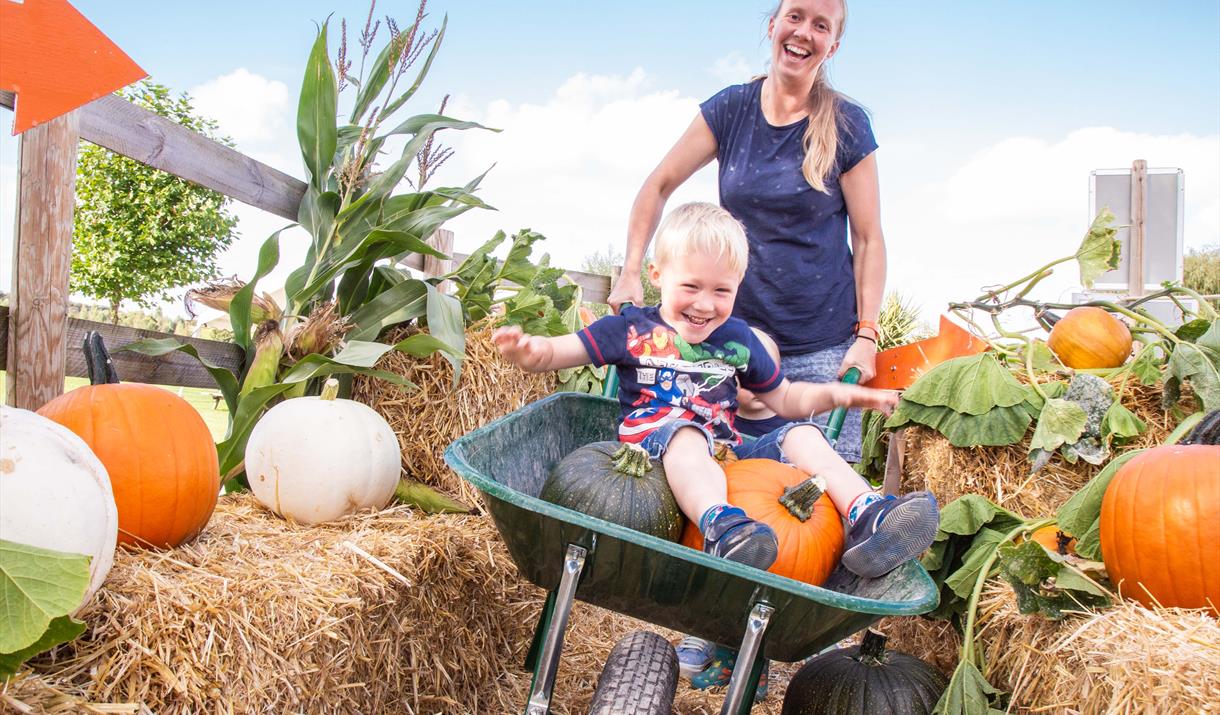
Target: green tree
(140,232)
(604,264)
(1201,271)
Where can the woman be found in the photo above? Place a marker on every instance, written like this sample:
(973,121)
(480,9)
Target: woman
(796,165)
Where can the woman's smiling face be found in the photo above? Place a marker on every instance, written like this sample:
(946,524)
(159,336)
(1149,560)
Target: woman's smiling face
(804,34)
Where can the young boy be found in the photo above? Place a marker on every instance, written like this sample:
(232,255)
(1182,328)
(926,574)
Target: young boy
(754,418)
(679,364)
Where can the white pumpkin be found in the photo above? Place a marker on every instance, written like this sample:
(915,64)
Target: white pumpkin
(55,493)
(315,459)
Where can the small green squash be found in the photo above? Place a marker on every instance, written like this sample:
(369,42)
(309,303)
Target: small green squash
(619,483)
(864,680)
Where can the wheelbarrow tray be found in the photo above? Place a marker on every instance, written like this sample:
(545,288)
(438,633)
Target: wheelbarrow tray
(638,575)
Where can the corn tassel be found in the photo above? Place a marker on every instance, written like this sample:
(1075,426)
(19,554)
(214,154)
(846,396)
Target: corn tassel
(269,348)
(218,295)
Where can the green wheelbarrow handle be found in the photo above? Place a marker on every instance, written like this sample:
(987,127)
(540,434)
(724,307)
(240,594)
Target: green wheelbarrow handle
(834,425)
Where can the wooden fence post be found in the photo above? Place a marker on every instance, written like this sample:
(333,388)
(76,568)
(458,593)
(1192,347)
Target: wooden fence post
(42,255)
(1139,202)
(442,241)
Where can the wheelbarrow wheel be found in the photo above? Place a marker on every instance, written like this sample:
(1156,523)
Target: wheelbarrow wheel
(640,677)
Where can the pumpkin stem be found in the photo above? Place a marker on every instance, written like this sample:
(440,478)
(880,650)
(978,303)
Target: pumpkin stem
(872,648)
(331,389)
(632,460)
(97,360)
(800,499)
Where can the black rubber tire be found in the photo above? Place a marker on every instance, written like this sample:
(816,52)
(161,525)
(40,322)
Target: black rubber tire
(640,677)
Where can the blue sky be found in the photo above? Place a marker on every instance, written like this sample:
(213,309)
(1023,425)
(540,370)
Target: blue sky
(989,114)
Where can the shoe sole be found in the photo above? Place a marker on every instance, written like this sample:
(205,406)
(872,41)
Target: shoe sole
(757,551)
(910,529)
(689,671)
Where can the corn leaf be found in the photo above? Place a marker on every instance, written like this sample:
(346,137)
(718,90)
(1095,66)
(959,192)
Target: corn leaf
(428,499)
(423,71)
(225,379)
(379,73)
(447,324)
(316,126)
(239,307)
(317,214)
(405,301)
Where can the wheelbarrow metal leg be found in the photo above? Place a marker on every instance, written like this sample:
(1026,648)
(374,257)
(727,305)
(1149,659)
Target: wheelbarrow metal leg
(747,672)
(552,644)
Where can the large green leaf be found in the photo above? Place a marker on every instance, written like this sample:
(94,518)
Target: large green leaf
(225,379)
(1044,583)
(239,307)
(232,450)
(1121,423)
(372,247)
(36,587)
(1082,512)
(1199,362)
(1062,422)
(972,385)
(61,630)
(963,580)
(317,214)
(316,126)
(1100,249)
(968,693)
(999,427)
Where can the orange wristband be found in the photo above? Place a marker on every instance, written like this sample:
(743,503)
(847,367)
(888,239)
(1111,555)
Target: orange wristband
(871,325)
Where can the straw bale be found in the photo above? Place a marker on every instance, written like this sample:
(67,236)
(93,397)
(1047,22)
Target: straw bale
(260,615)
(1002,473)
(428,418)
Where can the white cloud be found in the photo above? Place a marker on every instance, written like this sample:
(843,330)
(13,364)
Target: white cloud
(249,107)
(569,167)
(733,69)
(1016,205)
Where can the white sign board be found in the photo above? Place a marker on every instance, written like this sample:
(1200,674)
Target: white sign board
(1163,219)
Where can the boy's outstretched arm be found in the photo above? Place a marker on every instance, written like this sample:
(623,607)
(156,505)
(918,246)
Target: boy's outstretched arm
(535,353)
(799,400)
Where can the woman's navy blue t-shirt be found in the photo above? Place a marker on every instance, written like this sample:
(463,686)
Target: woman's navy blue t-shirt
(799,286)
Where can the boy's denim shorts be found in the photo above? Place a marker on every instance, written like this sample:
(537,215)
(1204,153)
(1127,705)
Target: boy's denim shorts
(765,447)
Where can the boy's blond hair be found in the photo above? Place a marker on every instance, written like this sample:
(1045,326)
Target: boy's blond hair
(700,227)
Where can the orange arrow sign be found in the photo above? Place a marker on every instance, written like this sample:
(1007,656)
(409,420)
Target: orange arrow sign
(56,60)
(900,367)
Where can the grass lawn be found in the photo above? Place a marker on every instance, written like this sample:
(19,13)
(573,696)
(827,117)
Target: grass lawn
(215,415)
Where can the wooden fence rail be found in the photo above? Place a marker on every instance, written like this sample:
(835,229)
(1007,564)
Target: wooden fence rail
(44,347)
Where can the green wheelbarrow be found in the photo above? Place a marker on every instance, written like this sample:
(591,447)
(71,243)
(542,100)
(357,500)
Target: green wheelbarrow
(573,555)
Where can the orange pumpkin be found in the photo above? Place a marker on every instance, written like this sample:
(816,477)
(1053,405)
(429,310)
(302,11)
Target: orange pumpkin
(1160,527)
(1089,337)
(806,523)
(157,449)
(1052,539)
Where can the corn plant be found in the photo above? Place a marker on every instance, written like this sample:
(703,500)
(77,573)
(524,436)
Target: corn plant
(349,289)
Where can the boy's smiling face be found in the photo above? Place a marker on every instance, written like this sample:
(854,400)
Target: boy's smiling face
(697,293)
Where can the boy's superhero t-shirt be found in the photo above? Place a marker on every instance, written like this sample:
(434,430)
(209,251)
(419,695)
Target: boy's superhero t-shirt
(663,378)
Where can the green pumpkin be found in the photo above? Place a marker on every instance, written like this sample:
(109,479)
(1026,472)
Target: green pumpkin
(864,680)
(619,483)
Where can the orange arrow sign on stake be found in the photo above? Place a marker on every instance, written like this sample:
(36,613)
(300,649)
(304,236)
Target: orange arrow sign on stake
(56,60)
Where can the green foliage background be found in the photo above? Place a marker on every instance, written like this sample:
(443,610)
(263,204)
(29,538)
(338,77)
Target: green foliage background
(140,232)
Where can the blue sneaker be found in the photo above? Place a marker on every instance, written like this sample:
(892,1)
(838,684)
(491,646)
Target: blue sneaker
(889,533)
(720,671)
(734,536)
(694,655)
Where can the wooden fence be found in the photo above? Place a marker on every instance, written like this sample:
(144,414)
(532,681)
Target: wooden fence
(42,343)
